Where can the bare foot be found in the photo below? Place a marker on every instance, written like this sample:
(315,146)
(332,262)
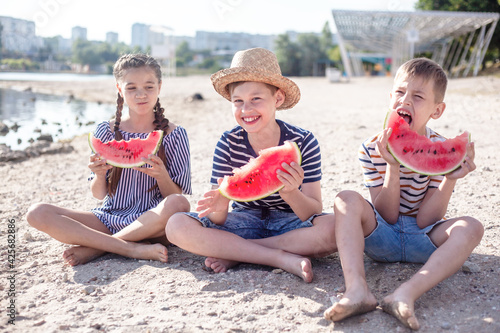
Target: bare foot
(79,255)
(403,311)
(150,252)
(219,265)
(352,303)
(299,266)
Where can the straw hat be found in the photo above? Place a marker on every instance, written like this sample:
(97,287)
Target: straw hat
(258,65)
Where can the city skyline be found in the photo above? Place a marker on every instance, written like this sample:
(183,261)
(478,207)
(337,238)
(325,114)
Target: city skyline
(58,17)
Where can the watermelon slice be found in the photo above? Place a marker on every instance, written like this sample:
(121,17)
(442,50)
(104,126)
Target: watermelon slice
(419,153)
(257,179)
(126,154)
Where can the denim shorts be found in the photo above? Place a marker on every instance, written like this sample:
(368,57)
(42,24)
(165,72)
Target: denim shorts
(403,241)
(256,223)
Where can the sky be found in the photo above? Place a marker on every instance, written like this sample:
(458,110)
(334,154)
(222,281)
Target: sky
(185,17)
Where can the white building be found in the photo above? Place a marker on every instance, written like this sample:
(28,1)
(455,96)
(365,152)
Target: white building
(161,42)
(232,41)
(19,35)
(111,38)
(78,33)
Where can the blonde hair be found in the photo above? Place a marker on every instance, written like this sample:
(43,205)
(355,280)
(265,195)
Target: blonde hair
(425,69)
(230,87)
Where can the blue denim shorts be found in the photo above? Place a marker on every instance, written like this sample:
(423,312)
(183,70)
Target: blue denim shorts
(256,223)
(403,241)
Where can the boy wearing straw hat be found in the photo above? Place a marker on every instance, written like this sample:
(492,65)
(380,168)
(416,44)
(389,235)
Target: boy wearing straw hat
(281,230)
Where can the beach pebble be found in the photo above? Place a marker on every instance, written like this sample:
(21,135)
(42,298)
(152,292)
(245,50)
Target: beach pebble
(4,129)
(28,237)
(88,290)
(445,325)
(470,267)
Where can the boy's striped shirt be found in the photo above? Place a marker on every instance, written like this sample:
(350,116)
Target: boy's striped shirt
(413,185)
(233,151)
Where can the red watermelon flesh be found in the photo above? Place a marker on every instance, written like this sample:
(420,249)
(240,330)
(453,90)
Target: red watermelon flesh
(257,179)
(419,153)
(126,154)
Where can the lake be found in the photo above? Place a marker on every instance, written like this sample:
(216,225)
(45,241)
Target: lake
(37,114)
(30,76)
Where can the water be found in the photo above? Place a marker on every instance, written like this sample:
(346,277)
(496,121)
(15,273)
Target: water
(27,76)
(37,114)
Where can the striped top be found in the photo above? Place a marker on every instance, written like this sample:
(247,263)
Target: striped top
(234,150)
(132,197)
(413,185)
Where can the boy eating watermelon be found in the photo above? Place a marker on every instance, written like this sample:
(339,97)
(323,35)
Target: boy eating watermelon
(404,222)
(283,229)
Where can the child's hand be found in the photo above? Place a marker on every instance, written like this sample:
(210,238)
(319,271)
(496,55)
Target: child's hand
(98,165)
(467,165)
(157,168)
(213,202)
(381,147)
(292,178)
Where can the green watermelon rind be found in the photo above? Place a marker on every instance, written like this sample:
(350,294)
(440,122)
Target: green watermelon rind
(451,169)
(263,195)
(125,166)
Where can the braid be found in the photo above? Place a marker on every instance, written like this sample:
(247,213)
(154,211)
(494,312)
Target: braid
(115,173)
(118,114)
(161,123)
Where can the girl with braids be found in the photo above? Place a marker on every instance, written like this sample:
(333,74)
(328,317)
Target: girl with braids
(137,202)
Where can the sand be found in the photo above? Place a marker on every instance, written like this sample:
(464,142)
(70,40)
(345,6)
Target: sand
(116,294)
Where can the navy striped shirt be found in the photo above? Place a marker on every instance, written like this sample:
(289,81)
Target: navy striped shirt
(234,150)
(132,197)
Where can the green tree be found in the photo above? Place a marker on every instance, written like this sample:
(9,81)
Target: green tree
(183,54)
(85,53)
(492,6)
(288,54)
(310,54)
(1,48)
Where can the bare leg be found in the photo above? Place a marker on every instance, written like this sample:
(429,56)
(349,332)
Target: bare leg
(354,219)
(316,241)
(190,235)
(456,239)
(94,239)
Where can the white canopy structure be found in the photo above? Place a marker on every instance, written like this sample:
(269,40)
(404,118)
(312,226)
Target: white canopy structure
(457,40)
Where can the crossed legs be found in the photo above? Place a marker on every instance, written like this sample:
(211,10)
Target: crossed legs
(93,239)
(225,249)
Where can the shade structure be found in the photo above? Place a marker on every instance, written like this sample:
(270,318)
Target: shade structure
(457,40)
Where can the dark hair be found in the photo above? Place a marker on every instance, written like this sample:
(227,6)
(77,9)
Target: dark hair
(428,70)
(124,63)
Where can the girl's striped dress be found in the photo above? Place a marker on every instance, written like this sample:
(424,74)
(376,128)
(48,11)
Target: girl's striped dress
(132,197)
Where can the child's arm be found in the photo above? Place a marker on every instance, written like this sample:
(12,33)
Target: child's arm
(436,200)
(304,203)
(386,198)
(98,185)
(214,205)
(159,172)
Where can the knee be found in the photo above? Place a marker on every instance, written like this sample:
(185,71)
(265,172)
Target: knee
(176,227)
(475,229)
(174,203)
(37,215)
(348,200)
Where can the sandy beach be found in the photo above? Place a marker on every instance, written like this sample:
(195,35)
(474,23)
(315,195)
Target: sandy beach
(117,294)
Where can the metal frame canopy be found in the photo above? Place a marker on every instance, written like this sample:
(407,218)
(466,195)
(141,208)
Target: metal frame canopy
(457,40)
